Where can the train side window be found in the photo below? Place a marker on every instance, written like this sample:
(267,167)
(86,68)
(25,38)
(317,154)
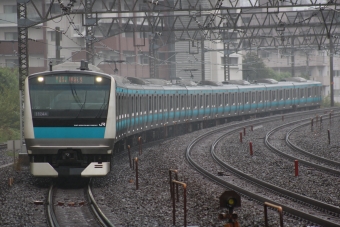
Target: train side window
(170,103)
(273,96)
(165,102)
(194,104)
(253,99)
(280,95)
(182,102)
(160,103)
(260,96)
(155,103)
(150,104)
(226,99)
(176,102)
(206,100)
(246,100)
(287,94)
(201,101)
(233,99)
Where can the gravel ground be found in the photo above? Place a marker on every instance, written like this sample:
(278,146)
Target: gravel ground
(150,205)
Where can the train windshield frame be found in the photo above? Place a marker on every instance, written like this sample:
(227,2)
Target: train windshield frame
(73,97)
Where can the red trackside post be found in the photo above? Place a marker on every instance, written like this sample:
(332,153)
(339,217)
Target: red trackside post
(296,168)
(251,148)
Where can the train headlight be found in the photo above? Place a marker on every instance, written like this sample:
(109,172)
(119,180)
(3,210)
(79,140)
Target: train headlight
(99,79)
(41,79)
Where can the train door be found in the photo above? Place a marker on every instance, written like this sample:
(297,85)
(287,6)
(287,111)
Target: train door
(260,105)
(253,103)
(182,104)
(246,104)
(194,106)
(240,103)
(188,111)
(233,103)
(226,108)
(160,109)
(280,99)
(219,104)
(130,113)
(171,108)
(165,108)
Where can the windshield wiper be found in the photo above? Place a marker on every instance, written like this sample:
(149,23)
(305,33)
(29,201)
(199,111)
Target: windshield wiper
(102,107)
(82,106)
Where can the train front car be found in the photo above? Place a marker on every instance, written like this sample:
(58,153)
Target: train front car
(70,123)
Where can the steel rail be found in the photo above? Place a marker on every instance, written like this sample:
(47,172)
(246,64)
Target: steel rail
(303,151)
(257,197)
(287,156)
(51,218)
(104,221)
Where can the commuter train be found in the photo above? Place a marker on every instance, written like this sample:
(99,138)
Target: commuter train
(75,119)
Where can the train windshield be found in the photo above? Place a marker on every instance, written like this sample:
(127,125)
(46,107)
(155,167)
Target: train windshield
(69,96)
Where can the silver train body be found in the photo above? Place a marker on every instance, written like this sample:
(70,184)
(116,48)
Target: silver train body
(75,119)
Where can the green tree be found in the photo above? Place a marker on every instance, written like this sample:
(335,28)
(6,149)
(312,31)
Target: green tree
(9,105)
(254,68)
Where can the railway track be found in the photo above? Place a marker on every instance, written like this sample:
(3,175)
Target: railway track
(318,159)
(292,203)
(72,204)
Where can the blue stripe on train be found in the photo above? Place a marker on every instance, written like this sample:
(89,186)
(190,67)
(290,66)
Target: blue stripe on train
(69,132)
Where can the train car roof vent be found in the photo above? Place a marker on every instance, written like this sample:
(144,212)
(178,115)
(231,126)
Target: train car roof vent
(84,65)
(186,83)
(236,82)
(210,83)
(295,79)
(158,81)
(267,81)
(140,81)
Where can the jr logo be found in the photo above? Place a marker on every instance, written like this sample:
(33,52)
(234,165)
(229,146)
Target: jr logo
(102,124)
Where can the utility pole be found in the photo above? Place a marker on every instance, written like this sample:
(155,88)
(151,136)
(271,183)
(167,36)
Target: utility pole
(202,58)
(89,22)
(293,58)
(331,84)
(57,45)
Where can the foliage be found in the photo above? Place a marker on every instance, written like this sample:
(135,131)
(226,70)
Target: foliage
(326,102)
(254,68)
(9,105)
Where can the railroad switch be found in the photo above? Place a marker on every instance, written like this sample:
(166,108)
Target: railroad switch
(230,200)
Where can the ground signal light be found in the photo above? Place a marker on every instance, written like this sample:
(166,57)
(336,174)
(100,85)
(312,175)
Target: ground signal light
(230,200)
